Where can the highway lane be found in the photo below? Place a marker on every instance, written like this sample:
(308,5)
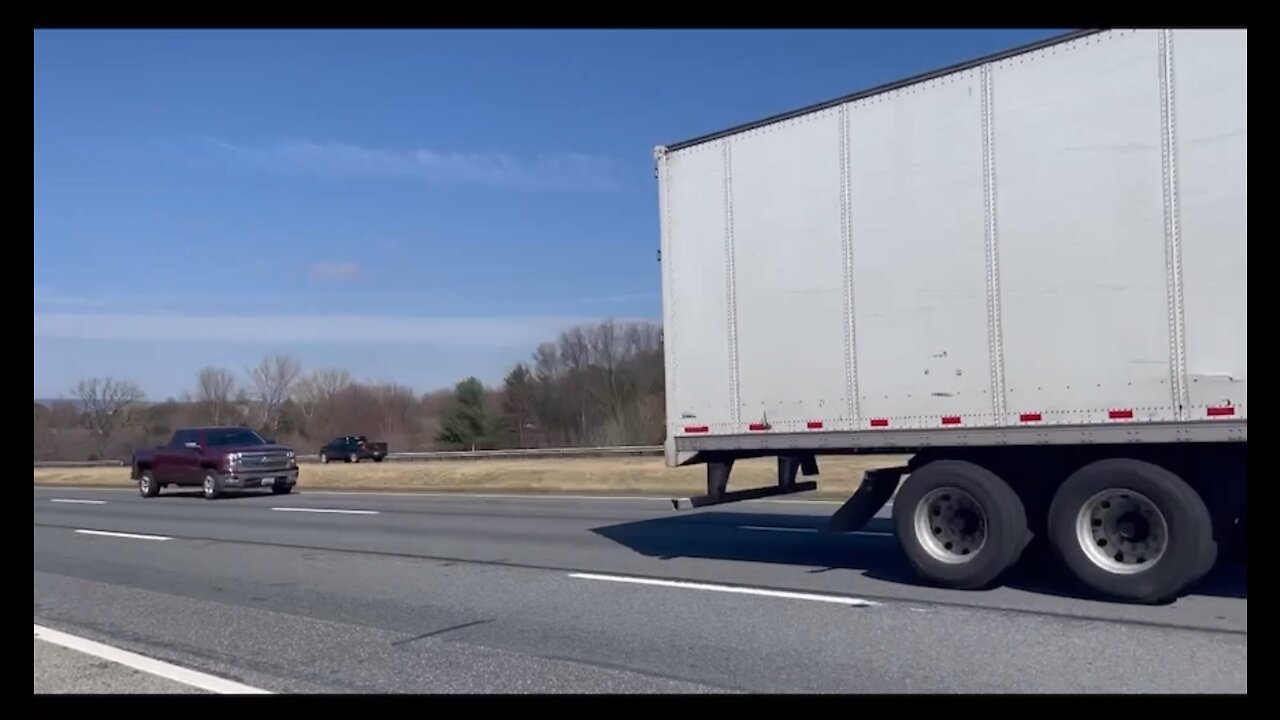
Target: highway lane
(427,593)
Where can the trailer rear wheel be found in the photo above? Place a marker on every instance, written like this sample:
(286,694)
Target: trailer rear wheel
(959,524)
(1131,530)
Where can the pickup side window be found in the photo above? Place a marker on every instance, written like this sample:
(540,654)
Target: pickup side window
(182,437)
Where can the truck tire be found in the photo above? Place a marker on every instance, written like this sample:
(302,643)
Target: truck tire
(1131,530)
(147,485)
(212,486)
(353,458)
(324,459)
(959,524)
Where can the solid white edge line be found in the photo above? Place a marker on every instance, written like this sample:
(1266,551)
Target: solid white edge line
(333,511)
(145,664)
(73,501)
(128,536)
(784,594)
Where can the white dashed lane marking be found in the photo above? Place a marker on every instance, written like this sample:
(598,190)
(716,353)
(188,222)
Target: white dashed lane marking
(127,536)
(761,592)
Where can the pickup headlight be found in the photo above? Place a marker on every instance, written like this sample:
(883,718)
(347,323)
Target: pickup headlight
(293,458)
(233,459)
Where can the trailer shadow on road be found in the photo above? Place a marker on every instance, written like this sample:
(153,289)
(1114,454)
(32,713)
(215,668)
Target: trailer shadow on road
(803,541)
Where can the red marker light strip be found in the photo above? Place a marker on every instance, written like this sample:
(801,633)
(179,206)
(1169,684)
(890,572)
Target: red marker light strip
(1120,414)
(1030,417)
(757,427)
(1226,411)
(697,429)
(879,422)
(814,425)
(950,419)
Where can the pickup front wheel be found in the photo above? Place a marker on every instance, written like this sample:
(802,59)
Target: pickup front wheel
(212,487)
(147,485)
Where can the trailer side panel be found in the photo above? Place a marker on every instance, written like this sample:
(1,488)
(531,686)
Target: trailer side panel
(1210,130)
(1031,250)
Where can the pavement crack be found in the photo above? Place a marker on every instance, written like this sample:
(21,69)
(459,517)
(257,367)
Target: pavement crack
(440,632)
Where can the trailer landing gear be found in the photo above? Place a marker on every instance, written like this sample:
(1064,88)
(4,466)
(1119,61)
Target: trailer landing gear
(718,480)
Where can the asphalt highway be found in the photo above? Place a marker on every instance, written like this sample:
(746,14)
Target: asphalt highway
(378,593)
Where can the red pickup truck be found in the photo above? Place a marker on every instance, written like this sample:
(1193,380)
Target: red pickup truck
(215,459)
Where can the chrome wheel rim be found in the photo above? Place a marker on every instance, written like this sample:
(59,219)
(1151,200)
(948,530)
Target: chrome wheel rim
(1122,531)
(950,525)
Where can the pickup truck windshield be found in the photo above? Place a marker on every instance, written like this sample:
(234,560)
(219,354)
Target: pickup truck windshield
(217,438)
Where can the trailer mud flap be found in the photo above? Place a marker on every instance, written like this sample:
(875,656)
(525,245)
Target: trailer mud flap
(874,492)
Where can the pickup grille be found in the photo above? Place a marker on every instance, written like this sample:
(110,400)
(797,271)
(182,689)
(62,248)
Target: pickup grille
(253,462)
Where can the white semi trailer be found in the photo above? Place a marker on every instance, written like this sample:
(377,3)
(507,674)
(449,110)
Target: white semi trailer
(1029,272)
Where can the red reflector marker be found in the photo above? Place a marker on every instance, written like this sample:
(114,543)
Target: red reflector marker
(879,422)
(696,429)
(757,427)
(814,425)
(950,419)
(1030,417)
(1120,414)
(1221,411)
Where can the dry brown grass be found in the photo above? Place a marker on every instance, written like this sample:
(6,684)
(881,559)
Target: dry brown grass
(624,476)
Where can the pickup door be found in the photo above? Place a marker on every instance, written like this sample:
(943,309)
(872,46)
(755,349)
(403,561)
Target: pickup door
(178,463)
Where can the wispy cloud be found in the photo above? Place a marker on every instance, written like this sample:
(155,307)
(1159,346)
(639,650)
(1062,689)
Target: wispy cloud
(456,332)
(558,172)
(56,298)
(334,270)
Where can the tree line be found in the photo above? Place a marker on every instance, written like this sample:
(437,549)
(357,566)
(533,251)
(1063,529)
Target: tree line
(593,385)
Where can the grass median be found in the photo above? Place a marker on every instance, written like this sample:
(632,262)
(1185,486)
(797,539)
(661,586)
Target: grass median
(605,476)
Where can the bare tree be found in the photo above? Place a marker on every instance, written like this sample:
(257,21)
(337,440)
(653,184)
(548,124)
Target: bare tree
(273,379)
(106,403)
(606,352)
(216,389)
(592,385)
(318,396)
(320,388)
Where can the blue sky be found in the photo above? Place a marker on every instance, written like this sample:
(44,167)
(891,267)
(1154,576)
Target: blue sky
(415,206)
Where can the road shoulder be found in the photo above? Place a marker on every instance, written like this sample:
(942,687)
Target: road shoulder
(66,663)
